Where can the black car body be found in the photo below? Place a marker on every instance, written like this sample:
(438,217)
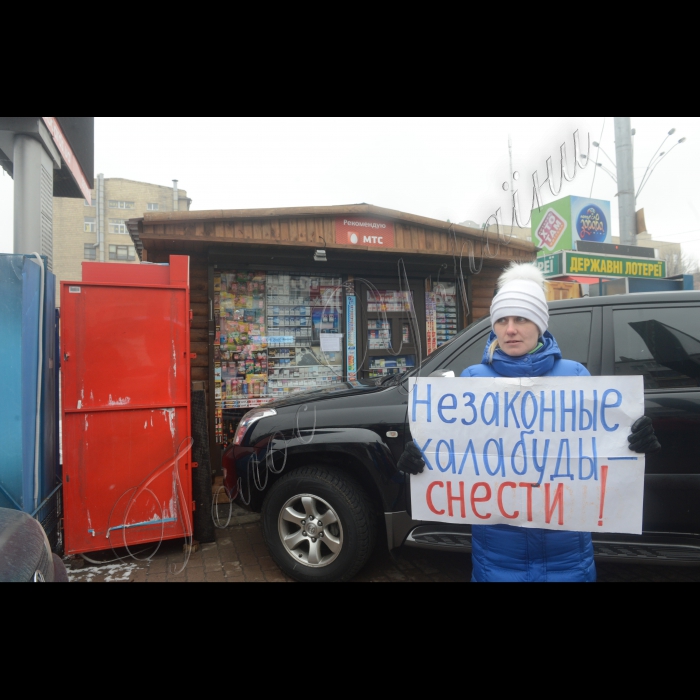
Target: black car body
(25,552)
(354,435)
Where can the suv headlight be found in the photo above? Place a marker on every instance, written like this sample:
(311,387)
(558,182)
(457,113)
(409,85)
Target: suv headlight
(249,420)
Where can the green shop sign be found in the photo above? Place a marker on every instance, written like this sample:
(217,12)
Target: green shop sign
(568,264)
(550,265)
(564,223)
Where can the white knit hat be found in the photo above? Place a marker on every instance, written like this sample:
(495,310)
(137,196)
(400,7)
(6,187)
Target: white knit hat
(521,293)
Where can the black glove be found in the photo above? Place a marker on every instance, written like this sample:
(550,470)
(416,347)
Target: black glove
(643,440)
(411,461)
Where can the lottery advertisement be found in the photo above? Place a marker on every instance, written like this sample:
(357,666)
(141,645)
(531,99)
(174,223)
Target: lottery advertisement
(562,224)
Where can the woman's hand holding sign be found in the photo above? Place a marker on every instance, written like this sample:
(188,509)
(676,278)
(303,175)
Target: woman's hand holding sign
(643,439)
(412,461)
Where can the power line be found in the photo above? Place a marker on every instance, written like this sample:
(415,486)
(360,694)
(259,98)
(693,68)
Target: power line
(595,170)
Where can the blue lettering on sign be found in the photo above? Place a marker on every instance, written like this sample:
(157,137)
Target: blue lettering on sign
(501,467)
(451,464)
(470,451)
(592,461)
(496,400)
(564,446)
(541,468)
(565,410)
(470,404)
(606,406)
(521,446)
(528,424)
(510,409)
(553,411)
(428,403)
(442,408)
(592,418)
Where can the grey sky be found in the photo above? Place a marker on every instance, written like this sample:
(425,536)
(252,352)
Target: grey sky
(442,167)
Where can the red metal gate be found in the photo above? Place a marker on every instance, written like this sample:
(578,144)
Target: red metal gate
(126,405)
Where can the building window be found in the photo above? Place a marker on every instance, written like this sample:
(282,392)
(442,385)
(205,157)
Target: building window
(114,204)
(132,253)
(93,201)
(118,226)
(90,252)
(90,224)
(119,252)
(153,207)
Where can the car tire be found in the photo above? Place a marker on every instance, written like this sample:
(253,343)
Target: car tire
(319,525)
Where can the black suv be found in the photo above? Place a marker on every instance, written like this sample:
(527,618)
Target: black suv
(322,466)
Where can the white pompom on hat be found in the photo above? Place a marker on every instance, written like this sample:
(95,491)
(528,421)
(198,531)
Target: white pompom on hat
(521,293)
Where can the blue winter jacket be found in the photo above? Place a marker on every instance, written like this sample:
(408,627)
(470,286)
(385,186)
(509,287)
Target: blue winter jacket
(504,554)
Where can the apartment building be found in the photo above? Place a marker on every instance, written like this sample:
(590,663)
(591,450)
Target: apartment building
(97,231)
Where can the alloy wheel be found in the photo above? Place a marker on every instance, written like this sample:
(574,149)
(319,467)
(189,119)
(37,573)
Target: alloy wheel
(310,531)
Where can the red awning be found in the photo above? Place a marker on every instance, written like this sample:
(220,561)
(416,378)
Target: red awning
(582,280)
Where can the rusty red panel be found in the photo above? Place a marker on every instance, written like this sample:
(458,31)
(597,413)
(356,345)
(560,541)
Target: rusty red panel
(126,406)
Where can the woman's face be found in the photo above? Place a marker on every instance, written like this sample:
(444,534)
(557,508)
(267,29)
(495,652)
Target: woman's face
(517,336)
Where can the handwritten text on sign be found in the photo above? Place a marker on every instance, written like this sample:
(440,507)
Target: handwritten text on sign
(549,453)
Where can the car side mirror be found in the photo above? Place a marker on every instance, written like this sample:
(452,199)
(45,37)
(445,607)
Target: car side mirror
(443,374)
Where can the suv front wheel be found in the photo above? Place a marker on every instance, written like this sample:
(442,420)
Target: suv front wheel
(319,525)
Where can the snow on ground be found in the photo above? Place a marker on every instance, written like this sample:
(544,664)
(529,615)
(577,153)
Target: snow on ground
(112,573)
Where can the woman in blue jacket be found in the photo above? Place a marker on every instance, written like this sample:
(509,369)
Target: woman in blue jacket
(521,346)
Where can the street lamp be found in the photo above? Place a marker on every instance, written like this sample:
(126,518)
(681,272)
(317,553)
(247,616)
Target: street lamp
(649,167)
(597,145)
(662,157)
(612,175)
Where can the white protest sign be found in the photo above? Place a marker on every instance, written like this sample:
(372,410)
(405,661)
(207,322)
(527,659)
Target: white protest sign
(549,453)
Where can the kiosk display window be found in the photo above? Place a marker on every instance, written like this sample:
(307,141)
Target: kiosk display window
(276,335)
(379,335)
(390,346)
(445,296)
(384,366)
(301,310)
(240,347)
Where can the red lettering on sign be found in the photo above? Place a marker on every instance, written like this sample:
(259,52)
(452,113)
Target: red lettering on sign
(529,488)
(509,485)
(558,503)
(476,500)
(460,499)
(431,505)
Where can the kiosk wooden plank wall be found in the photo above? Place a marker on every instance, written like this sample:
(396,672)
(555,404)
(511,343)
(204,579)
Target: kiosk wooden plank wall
(158,235)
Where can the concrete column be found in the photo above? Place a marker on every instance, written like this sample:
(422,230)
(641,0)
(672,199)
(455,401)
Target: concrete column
(625,179)
(101,216)
(33,176)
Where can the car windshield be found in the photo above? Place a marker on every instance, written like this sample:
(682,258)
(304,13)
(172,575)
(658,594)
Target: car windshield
(441,351)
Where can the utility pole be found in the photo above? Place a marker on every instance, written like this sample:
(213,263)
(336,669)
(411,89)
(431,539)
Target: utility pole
(625,177)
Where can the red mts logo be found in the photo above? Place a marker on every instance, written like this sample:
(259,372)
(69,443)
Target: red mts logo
(365,233)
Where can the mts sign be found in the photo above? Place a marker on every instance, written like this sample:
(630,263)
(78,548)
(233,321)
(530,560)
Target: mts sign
(365,233)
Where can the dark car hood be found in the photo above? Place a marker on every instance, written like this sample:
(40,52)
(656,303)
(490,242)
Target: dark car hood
(338,391)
